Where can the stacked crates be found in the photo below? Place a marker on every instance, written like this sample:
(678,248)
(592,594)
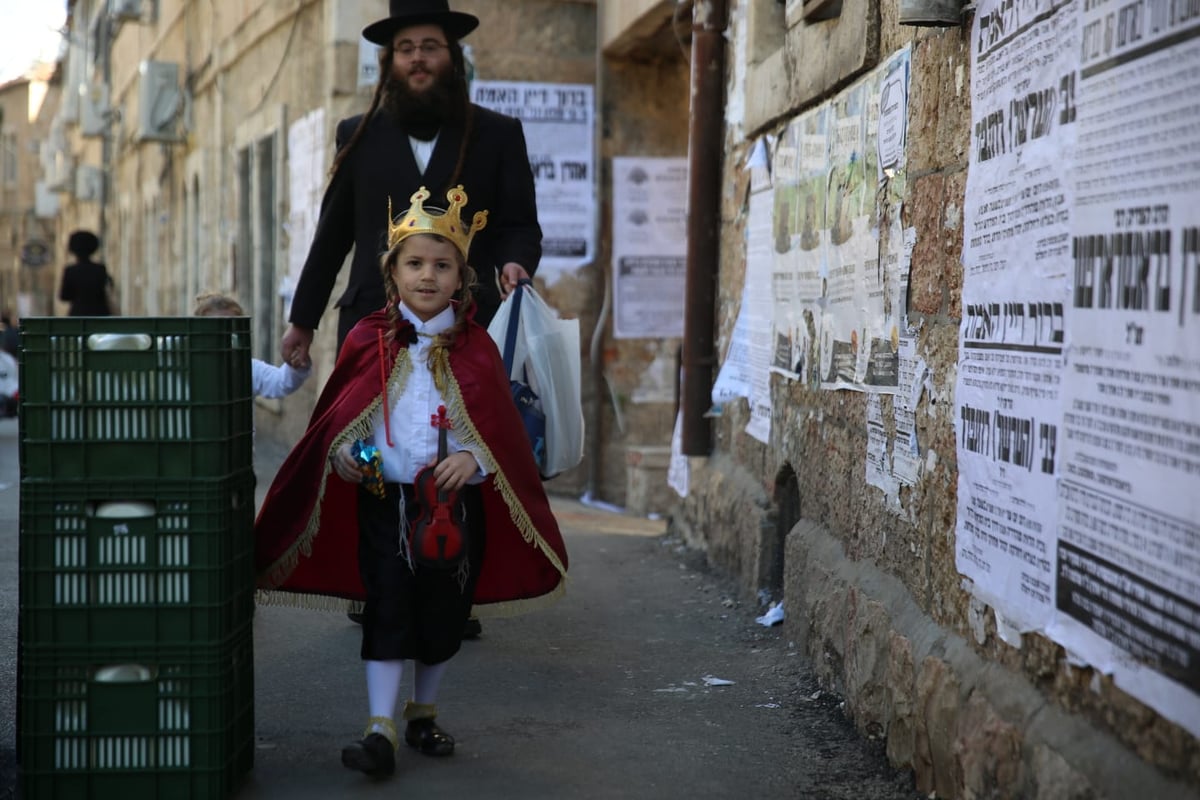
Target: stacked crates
(135,657)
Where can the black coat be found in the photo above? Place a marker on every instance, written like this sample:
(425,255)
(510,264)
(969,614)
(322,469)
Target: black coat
(495,174)
(85,286)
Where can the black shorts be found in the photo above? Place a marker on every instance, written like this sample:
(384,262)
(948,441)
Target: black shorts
(411,611)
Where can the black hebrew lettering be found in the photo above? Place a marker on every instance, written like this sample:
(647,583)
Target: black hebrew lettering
(1190,270)
(1083,251)
(1121,264)
(1014,440)
(574,171)
(1047,444)
(543,169)
(977,430)
(1032,116)
(990,139)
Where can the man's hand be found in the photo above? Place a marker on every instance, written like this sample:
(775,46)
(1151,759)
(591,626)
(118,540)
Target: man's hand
(510,273)
(293,348)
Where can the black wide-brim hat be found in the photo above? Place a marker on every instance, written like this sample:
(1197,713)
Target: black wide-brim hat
(403,13)
(83,243)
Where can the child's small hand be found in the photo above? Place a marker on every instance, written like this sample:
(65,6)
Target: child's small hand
(345,465)
(454,471)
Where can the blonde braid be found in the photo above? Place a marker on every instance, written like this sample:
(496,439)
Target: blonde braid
(446,339)
(392,291)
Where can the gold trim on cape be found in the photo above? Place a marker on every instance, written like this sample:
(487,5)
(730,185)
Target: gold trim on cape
(359,428)
(468,436)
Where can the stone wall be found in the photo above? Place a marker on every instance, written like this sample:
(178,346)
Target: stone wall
(27,105)
(869,584)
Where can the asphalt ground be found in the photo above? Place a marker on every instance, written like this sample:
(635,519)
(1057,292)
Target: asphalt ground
(650,679)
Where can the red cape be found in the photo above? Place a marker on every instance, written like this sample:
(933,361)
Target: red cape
(306,534)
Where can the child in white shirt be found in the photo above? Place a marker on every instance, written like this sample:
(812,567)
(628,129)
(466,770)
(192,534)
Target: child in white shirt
(267,380)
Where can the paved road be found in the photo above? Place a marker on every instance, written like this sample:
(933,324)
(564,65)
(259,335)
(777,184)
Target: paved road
(608,694)
(8,604)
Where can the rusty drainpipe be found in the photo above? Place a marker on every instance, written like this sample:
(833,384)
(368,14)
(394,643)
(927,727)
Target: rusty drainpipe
(705,137)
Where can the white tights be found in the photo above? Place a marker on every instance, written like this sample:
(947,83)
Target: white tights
(383,684)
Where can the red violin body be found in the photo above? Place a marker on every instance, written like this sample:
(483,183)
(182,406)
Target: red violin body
(438,540)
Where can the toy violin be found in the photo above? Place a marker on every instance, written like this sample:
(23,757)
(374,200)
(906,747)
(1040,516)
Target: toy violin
(439,540)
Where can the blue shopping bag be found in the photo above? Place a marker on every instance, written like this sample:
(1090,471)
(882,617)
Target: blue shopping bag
(528,403)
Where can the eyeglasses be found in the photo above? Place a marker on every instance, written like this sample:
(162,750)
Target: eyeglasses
(426,48)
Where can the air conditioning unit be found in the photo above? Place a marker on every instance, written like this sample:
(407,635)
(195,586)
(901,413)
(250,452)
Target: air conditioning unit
(45,201)
(69,112)
(160,102)
(126,10)
(54,148)
(89,183)
(60,172)
(93,110)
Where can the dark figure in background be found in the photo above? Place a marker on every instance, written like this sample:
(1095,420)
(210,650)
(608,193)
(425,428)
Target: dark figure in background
(85,283)
(420,130)
(9,340)
(10,335)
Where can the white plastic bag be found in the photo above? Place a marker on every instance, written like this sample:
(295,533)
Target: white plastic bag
(546,354)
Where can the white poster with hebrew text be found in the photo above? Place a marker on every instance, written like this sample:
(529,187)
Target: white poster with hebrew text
(1016,260)
(1128,591)
(649,246)
(559,123)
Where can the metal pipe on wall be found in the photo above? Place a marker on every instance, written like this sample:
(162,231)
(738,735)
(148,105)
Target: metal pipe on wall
(705,151)
(593,438)
(107,34)
(945,13)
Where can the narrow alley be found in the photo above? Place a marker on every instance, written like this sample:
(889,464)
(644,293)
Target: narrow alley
(649,680)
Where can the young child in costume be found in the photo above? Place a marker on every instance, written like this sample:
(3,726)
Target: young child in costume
(267,380)
(327,539)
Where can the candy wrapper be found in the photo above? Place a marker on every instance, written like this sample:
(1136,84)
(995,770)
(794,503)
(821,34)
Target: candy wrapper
(370,461)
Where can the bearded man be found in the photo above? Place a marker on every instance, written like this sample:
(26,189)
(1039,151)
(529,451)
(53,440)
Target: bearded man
(420,130)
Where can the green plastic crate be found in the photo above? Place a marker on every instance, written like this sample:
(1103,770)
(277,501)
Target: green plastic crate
(136,397)
(122,723)
(106,563)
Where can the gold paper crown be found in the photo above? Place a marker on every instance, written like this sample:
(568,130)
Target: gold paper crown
(447,224)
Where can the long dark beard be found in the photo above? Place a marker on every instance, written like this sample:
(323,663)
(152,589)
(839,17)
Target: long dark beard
(422,114)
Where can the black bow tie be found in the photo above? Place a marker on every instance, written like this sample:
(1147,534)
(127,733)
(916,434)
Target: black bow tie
(406,334)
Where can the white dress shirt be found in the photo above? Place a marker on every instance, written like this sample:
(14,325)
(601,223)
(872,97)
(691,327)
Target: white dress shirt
(422,151)
(269,380)
(414,439)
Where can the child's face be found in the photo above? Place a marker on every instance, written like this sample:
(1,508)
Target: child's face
(427,275)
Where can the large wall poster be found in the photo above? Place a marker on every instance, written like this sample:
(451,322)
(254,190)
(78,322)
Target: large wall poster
(1078,396)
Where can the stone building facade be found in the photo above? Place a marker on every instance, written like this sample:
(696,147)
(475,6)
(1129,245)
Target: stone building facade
(29,234)
(199,135)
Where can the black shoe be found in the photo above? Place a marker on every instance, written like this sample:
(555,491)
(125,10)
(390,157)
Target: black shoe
(372,755)
(355,616)
(426,736)
(472,628)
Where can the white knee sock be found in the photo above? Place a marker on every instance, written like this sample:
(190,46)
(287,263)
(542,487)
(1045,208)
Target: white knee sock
(426,679)
(383,687)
